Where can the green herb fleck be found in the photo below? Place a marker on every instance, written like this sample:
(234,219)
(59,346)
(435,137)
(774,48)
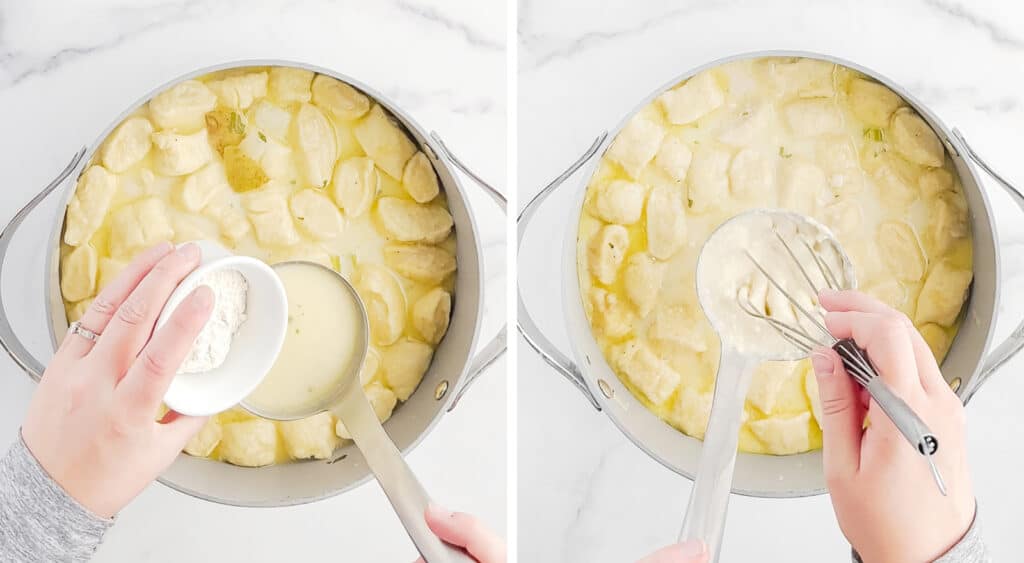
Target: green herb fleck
(874,134)
(262,136)
(324,185)
(783,153)
(236,123)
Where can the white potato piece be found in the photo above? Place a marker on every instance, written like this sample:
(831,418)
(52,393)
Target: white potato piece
(316,214)
(666,222)
(356,184)
(310,438)
(408,221)
(692,412)
(813,117)
(674,157)
(305,251)
(803,187)
(341,100)
(752,173)
(384,300)
(813,395)
(227,212)
(318,145)
(383,401)
(127,145)
(606,251)
(202,186)
(78,273)
(107,270)
(943,294)
(275,122)
(419,179)
(636,144)
(241,90)
(384,142)
(431,314)
(138,226)
(77,311)
(937,339)
(845,218)
(289,85)
(610,314)
(419,262)
(697,97)
(182,107)
(88,208)
(949,222)
(837,154)
(740,130)
(678,328)
(784,435)
(935,181)
(269,214)
(768,382)
(177,155)
(901,251)
(891,292)
(913,138)
(207,440)
(708,178)
(872,103)
(642,278)
(618,201)
(403,364)
(250,443)
(649,373)
(894,187)
(371,367)
(806,78)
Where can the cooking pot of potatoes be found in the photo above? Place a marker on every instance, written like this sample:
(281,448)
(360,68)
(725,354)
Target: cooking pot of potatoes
(284,161)
(810,133)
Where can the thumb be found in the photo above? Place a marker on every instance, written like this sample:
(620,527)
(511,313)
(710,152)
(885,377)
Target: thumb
(691,551)
(842,415)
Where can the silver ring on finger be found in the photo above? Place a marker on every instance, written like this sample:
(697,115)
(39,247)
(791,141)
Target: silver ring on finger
(77,328)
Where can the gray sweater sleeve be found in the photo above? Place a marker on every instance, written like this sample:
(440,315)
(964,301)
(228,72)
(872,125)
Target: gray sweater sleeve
(970,548)
(39,521)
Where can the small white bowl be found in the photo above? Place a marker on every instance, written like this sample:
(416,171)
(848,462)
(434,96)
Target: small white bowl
(254,347)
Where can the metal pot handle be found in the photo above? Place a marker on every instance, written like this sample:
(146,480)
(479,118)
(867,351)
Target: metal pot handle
(527,327)
(1015,342)
(8,340)
(498,344)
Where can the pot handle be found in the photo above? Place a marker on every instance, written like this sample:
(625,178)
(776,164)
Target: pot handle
(8,340)
(498,344)
(527,327)
(1015,342)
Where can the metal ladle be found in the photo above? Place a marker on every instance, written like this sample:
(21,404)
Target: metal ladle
(405,492)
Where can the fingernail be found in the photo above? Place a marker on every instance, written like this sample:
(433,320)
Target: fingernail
(827,292)
(190,251)
(691,548)
(822,363)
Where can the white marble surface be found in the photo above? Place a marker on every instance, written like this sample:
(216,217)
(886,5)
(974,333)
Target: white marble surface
(68,68)
(586,493)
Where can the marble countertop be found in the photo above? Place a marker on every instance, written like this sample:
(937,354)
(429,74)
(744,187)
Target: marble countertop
(68,68)
(586,493)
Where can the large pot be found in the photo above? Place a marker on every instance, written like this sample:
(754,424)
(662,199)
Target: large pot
(966,367)
(452,370)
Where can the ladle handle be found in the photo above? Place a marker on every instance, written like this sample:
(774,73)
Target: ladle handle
(709,499)
(403,489)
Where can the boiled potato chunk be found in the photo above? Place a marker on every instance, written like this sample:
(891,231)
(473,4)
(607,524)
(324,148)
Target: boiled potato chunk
(78,273)
(384,142)
(127,145)
(948,222)
(610,314)
(404,364)
(273,121)
(208,438)
(225,128)
(89,206)
(249,443)
(244,173)
(894,186)
(385,302)
(813,395)
(802,187)
(356,184)
(636,144)
(229,216)
(649,373)
(938,340)
(741,130)
(241,90)
(618,201)
(606,251)
(872,103)
(183,106)
(431,314)
(784,435)
(289,85)
(383,401)
(108,270)
(697,97)
(408,221)
(269,214)
(77,311)
(943,294)
(674,157)
(310,438)
(419,179)
(340,99)
(304,251)
(810,118)
(806,78)
(138,226)
(316,214)
(202,186)
(666,222)
(708,179)
(643,277)
(692,412)
(419,262)
(913,138)
(769,382)
(679,328)
(371,367)
(900,250)
(177,155)
(935,181)
(318,145)
(752,173)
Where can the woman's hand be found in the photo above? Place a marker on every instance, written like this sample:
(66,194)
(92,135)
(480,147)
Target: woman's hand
(91,423)
(882,489)
(692,551)
(465,531)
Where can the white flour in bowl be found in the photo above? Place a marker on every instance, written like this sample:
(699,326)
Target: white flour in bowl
(211,346)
